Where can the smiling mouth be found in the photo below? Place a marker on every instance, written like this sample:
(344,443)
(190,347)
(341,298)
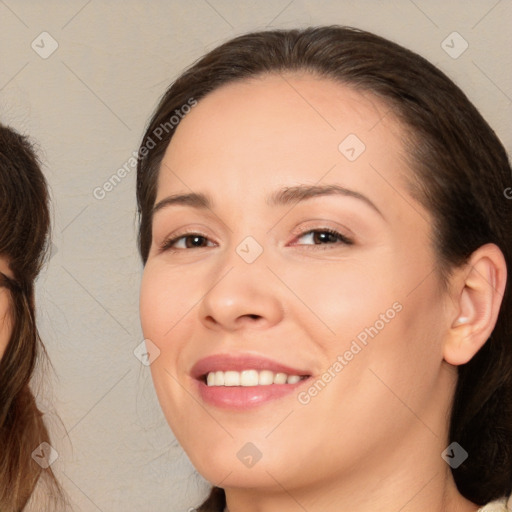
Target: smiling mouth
(249,378)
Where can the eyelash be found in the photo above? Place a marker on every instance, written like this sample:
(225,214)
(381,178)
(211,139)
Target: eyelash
(167,245)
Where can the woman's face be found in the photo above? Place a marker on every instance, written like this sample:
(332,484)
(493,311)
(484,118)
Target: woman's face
(283,272)
(5,324)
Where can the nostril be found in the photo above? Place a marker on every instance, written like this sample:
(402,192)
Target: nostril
(254,317)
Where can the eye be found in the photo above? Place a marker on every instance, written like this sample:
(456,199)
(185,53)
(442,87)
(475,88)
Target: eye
(324,237)
(311,237)
(186,241)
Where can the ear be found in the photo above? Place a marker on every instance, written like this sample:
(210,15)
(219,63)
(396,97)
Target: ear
(478,290)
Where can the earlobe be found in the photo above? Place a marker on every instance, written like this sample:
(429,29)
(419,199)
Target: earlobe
(480,286)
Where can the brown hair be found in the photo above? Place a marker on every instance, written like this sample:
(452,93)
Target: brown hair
(25,223)
(460,172)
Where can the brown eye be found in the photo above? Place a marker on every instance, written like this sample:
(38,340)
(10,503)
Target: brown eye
(324,237)
(186,241)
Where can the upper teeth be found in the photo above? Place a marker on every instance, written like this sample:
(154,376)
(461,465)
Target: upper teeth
(250,378)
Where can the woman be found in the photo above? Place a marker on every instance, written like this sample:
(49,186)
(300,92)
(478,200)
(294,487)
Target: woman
(25,222)
(326,242)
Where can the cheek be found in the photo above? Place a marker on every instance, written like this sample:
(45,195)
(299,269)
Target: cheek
(152,302)
(342,300)
(159,312)
(165,299)
(402,356)
(378,316)
(167,304)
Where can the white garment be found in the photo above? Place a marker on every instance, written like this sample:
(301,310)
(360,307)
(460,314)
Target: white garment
(502,505)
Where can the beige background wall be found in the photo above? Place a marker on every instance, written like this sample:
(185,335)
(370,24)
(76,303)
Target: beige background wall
(86,105)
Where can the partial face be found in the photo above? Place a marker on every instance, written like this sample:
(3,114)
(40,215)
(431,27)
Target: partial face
(310,260)
(5,320)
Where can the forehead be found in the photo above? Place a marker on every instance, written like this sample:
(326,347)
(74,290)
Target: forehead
(258,134)
(293,106)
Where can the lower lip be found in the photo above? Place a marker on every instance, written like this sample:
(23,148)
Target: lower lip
(244,397)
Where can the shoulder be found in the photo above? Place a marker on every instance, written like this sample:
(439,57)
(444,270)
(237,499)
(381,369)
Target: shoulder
(501,505)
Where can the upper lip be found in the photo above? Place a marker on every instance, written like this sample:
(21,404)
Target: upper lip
(239,362)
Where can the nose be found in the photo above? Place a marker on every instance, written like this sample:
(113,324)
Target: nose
(244,297)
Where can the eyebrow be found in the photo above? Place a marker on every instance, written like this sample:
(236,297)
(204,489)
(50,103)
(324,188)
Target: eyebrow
(282,197)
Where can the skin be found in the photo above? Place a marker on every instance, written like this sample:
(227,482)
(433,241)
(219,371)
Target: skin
(372,438)
(5,326)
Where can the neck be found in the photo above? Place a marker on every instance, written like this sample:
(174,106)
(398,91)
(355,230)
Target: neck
(421,496)
(411,477)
